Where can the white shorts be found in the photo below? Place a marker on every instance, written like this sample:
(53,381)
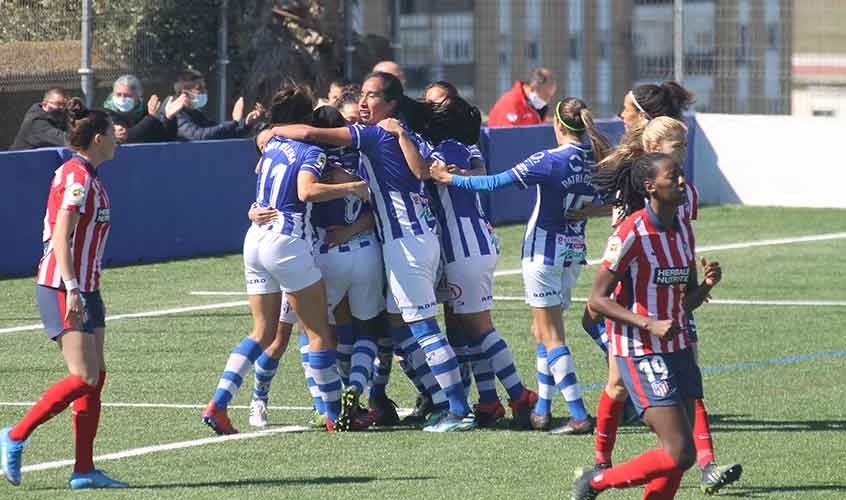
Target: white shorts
(358,274)
(276,262)
(411,265)
(287,314)
(470,283)
(548,286)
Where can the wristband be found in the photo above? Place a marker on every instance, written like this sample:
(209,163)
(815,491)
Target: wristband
(71,284)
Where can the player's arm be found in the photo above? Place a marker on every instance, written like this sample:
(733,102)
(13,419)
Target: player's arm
(440,172)
(338,235)
(311,190)
(305,133)
(418,166)
(66,221)
(699,293)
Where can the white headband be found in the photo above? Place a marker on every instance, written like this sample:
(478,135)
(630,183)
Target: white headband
(638,106)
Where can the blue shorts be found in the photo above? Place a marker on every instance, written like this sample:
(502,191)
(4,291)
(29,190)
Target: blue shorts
(51,304)
(661,379)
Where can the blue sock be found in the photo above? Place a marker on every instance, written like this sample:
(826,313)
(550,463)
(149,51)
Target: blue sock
(364,352)
(312,385)
(240,360)
(264,369)
(414,364)
(546,383)
(346,339)
(502,362)
(382,369)
(482,372)
(325,372)
(564,372)
(442,361)
(598,334)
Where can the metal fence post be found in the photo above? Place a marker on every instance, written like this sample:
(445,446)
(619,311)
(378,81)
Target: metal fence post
(222,60)
(678,40)
(396,44)
(85,71)
(349,47)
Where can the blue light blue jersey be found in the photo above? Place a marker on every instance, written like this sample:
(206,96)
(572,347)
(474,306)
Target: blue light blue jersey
(276,187)
(399,200)
(463,227)
(343,211)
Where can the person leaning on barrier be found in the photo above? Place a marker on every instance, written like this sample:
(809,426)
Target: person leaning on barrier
(193,125)
(45,123)
(136,122)
(526,102)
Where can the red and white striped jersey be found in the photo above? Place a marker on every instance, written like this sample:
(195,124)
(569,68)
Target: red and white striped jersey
(655,264)
(76,187)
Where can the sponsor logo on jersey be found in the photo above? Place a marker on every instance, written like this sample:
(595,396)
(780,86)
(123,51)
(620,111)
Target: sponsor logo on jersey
(256,281)
(668,276)
(512,117)
(455,291)
(427,306)
(103,215)
(613,250)
(74,194)
(548,293)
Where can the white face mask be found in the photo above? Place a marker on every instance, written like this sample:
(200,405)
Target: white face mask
(535,101)
(123,104)
(199,101)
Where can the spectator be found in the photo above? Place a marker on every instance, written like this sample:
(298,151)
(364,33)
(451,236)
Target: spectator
(392,68)
(45,123)
(194,125)
(336,88)
(135,122)
(526,102)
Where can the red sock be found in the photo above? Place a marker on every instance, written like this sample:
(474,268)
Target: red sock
(702,436)
(86,418)
(607,419)
(663,488)
(54,400)
(641,469)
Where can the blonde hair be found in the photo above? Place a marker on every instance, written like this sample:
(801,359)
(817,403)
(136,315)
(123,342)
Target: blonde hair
(634,142)
(661,129)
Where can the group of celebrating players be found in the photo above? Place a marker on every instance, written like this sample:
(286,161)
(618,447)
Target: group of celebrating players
(363,224)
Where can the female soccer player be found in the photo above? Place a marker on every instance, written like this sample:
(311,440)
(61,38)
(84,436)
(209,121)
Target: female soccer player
(405,226)
(278,258)
(645,286)
(68,294)
(553,249)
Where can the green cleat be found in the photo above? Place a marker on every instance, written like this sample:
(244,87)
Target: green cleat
(714,477)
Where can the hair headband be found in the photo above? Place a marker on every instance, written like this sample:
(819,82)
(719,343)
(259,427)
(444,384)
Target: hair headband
(558,115)
(638,106)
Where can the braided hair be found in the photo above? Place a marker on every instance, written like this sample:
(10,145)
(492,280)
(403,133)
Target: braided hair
(626,182)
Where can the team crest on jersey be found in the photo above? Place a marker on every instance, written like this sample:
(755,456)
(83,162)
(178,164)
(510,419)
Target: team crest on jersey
(613,250)
(512,117)
(321,161)
(74,194)
(668,276)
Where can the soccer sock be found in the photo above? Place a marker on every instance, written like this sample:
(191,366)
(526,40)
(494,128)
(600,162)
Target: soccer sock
(86,419)
(502,362)
(442,361)
(564,373)
(458,341)
(482,372)
(598,334)
(663,488)
(607,419)
(417,368)
(546,383)
(264,369)
(382,369)
(54,400)
(702,436)
(312,385)
(241,359)
(364,352)
(346,339)
(325,372)
(641,469)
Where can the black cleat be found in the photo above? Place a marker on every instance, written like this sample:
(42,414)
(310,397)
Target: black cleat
(576,427)
(422,409)
(582,490)
(714,477)
(385,410)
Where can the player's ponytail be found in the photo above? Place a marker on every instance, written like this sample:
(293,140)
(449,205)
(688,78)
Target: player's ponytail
(573,114)
(87,123)
(293,103)
(668,99)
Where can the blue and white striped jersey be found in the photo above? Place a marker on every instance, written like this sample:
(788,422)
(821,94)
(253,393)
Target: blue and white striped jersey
(563,180)
(463,227)
(276,187)
(398,198)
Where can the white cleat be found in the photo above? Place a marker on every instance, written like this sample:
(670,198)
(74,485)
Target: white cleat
(258,413)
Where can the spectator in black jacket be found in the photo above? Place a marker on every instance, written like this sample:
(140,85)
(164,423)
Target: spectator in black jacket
(45,123)
(194,125)
(134,122)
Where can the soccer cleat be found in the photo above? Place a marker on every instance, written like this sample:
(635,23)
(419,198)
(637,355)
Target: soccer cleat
(349,410)
(576,427)
(258,413)
(422,409)
(385,410)
(582,490)
(540,422)
(317,420)
(714,477)
(521,410)
(10,455)
(449,422)
(93,479)
(218,420)
(488,414)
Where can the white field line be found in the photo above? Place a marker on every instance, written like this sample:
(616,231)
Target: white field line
(729,246)
(134,452)
(731,302)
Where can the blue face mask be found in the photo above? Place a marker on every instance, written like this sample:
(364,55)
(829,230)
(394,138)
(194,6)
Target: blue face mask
(199,101)
(123,104)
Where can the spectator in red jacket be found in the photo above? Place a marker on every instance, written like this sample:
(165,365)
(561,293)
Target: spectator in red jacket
(526,102)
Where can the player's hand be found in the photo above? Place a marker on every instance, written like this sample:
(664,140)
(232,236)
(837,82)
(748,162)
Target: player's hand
(176,104)
(238,109)
(153,105)
(120,134)
(712,271)
(361,191)
(439,172)
(262,215)
(74,308)
(664,328)
(392,126)
(338,235)
(256,114)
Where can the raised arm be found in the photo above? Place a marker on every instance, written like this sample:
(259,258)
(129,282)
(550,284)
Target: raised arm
(440,172)
(311,190)
(304,133)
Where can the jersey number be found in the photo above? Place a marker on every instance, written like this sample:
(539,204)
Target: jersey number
(576,201)
(654,368)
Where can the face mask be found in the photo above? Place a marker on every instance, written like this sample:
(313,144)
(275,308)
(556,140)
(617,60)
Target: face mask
(57,114)
(123,104)
(536,102)
(199,101)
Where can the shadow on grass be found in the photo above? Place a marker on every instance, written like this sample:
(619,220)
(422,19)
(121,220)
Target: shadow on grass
(742,423)
(774,491)
(316,481)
